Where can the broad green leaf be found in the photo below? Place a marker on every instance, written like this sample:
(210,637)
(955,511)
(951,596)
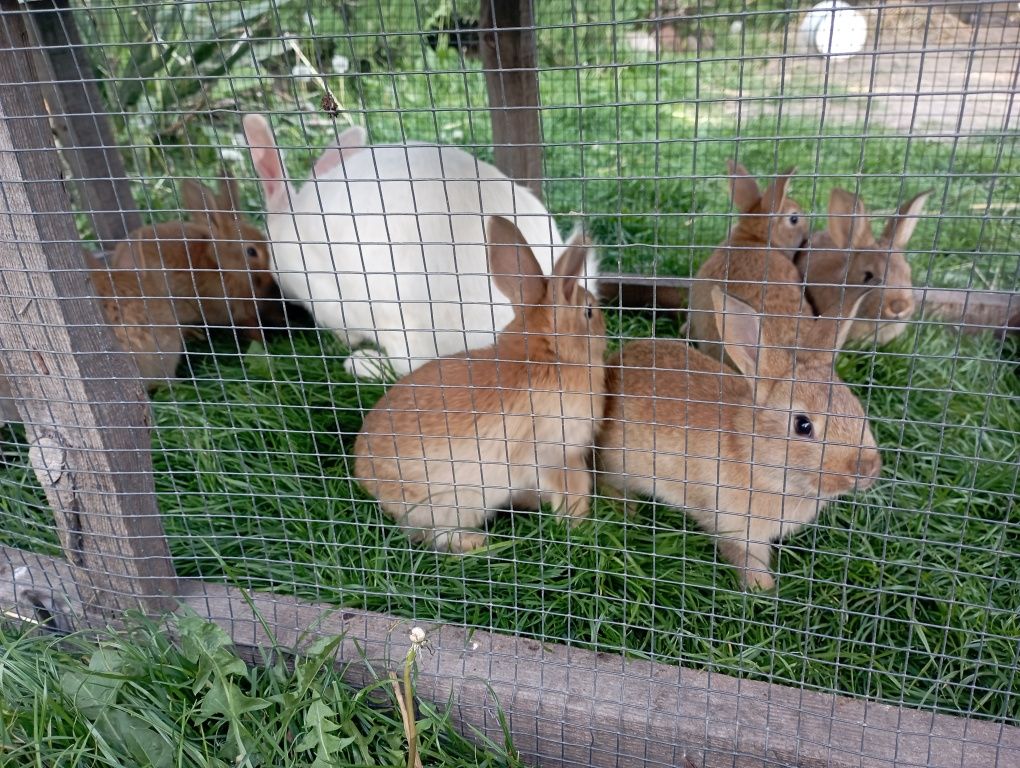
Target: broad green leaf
(136,739)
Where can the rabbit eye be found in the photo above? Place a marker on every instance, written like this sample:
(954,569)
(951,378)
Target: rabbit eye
(794,219)
(802,425)
(869,276)
(587,311)
(251,252)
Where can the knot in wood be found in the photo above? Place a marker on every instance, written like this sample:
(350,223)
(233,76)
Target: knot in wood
(47,456)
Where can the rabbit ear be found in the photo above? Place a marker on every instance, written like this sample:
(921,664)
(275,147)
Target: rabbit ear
(849,225)
(265,156)
(515,270)
(775,195)
(744,189)
(570,266)
(229,198)
(197,197)
(224,214)
(740,330)
(900,227)
(831,333)
(348,143)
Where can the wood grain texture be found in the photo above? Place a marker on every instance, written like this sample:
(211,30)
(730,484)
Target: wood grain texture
(511,77)
(80,397)
(81,124)
(574,708)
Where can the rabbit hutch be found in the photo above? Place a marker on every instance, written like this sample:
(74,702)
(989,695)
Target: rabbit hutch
(206,240)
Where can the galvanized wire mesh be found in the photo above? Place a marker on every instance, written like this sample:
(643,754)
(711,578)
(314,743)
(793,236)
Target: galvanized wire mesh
(905,592)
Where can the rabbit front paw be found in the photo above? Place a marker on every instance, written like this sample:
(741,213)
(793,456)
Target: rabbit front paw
(370,364)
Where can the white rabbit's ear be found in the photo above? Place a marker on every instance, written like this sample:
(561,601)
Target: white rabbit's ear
(515,270)
(900,228)
(744,190)
(265,156)
(350,142)
(849,225)
(740,330)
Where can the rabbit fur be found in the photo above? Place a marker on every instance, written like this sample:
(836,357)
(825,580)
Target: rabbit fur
(686,430)
(215,267)
(385,245)
(755,264)
(847,254)
(464,436)
(176,278)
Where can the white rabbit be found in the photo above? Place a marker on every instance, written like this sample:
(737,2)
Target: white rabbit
(386,245)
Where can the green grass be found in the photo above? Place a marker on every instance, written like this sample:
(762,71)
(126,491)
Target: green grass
(138,698)
(906,594)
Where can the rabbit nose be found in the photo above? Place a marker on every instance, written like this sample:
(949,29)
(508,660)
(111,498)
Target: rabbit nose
(868,470)
(898,307)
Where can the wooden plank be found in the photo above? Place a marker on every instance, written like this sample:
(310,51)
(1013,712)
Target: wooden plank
(974,311)
(511,77)
(79,395)
(81,124)
(572,708)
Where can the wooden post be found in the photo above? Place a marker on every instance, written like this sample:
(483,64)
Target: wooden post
(79,119)
(82,402)
(511,77)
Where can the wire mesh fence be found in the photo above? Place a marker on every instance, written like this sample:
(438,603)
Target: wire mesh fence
(341,156)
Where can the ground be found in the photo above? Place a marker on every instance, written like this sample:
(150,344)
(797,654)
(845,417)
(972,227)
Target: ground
(968,87)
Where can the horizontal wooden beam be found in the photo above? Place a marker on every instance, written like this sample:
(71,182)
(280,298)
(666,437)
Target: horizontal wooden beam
(973,310)
(573,708)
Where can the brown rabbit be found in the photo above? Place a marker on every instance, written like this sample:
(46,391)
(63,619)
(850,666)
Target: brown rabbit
(175,278)
(215,266)
(143,319)
(750,459)
(466,435)
(848,254)
(755,264)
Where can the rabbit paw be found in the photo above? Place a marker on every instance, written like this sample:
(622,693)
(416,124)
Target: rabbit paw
(758,581)
(578,509)
(369,364)
(459,542)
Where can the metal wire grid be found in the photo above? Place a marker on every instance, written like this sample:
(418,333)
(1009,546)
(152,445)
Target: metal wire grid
(252,449)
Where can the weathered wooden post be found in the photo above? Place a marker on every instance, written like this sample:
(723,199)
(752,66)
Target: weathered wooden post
(79,119)
(82,402)
(511,77)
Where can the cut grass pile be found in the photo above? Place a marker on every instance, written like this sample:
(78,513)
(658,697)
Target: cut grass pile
(136,698)
(908,593)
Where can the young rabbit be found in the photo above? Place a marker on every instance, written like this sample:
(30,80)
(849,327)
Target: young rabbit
(176,278)
(464,436)
(385,245)
(143,320)
(848,254)
(755,264)
(752,456)
(215,266)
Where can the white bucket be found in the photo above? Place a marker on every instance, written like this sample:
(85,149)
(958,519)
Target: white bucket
(833,28)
